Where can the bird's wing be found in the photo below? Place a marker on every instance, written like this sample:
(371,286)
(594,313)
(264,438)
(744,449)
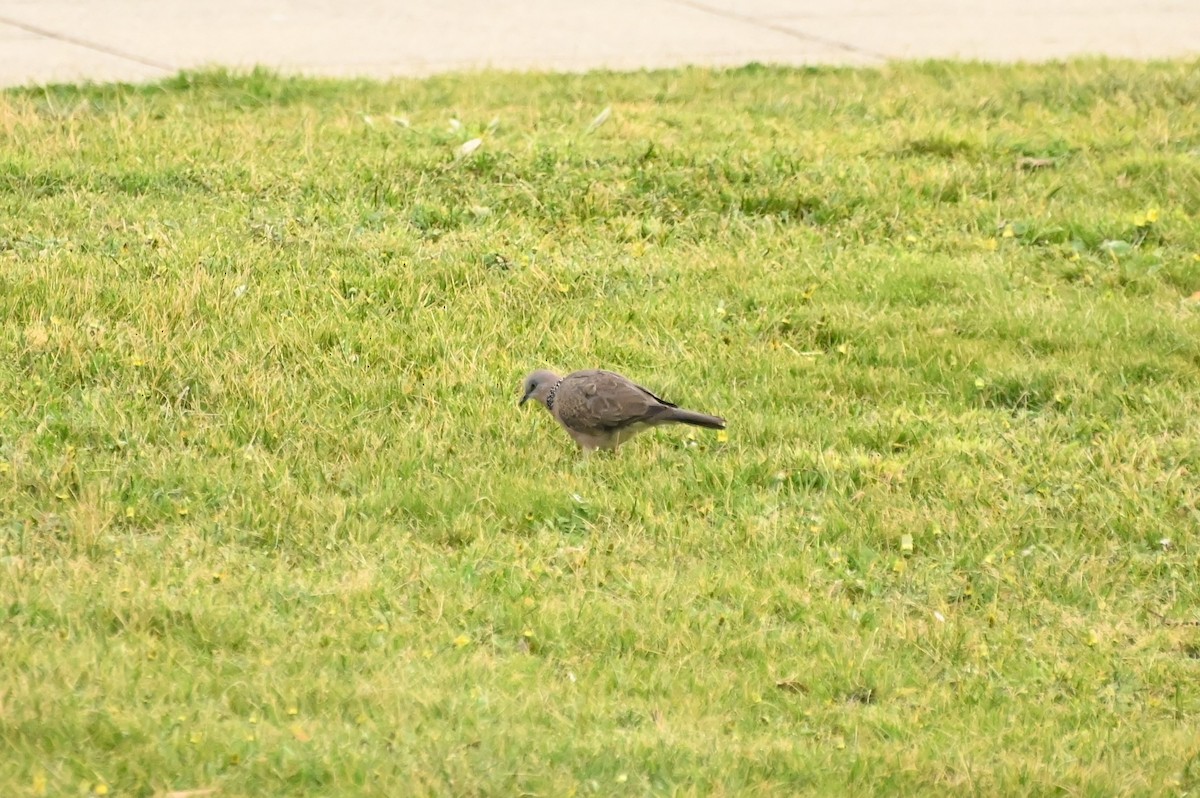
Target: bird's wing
(602,400)
(644,390)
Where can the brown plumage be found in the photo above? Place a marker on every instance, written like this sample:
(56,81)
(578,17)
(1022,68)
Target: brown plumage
(602,410)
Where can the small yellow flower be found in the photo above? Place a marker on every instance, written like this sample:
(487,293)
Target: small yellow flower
(1145,218)
(991,244)
(293,711)
(4,468)
(1008,232)
(100,789)
(182,511)
(461,640)
(722,436)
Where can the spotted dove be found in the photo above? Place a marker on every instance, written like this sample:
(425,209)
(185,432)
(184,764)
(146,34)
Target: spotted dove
(602,410)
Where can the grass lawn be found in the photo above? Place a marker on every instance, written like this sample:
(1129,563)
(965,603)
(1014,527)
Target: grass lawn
(271,522)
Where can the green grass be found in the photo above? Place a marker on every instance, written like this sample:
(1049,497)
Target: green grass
(271,522)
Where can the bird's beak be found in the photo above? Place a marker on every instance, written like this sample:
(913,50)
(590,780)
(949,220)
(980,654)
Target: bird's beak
(524,399)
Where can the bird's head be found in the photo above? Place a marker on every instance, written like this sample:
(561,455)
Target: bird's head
(538,385)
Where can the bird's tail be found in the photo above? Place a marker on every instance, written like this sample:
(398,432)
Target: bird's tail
(695,419)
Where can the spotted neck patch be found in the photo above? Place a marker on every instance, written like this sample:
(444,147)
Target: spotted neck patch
(550,396)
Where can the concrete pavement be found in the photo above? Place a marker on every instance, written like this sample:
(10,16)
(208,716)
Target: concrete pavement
(70,40)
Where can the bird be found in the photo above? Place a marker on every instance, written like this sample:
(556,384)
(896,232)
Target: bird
(602,409)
